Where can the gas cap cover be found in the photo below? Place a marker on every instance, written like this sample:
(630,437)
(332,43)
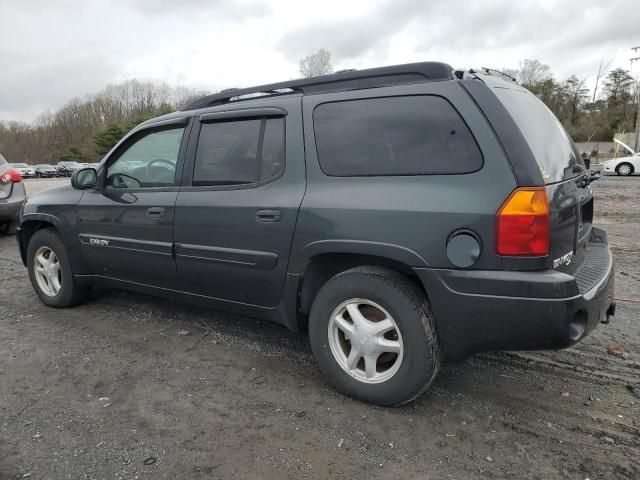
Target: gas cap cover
(463,249)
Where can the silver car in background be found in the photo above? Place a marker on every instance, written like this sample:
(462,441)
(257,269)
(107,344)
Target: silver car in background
(12,196)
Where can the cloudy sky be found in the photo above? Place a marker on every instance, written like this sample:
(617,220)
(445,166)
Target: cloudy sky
(54,50)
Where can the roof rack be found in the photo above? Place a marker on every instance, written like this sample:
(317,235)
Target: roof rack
(343,80)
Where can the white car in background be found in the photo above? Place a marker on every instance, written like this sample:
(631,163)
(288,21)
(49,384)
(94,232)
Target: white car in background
(27,171)
(623,165)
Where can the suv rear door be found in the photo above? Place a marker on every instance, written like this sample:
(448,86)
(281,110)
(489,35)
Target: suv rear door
(243,183)
(570,197)
(126,226)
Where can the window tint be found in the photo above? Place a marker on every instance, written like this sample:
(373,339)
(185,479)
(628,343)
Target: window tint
(415,135)
(555,152)
(231,153)
(149,162)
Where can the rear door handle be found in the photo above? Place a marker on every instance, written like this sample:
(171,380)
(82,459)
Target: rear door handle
(155,212)
(268,215)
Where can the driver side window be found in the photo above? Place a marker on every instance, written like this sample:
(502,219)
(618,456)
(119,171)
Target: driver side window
(150,161)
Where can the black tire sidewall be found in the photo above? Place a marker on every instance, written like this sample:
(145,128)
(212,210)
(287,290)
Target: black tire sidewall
(48,238)
(409,309)
(624,174)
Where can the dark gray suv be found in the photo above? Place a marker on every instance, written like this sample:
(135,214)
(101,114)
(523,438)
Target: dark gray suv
(399,215)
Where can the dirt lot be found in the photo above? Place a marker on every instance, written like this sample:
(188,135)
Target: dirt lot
(129,386)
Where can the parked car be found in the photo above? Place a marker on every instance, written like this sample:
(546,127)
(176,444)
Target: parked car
(27,171)
(623,165)
(46,171)
(67,168)
(419,214)
(12,196)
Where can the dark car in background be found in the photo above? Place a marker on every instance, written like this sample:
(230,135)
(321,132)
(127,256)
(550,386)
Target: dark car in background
(398,215)
(46,171)
(27,171)
(66,168)
(12,196)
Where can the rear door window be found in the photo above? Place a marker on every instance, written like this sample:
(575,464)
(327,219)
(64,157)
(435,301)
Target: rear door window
(553,148)
(410,135)
(239,152)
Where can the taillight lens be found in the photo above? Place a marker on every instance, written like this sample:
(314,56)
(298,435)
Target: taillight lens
(522,223)
(11,175)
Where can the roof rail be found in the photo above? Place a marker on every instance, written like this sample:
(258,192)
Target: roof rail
(343,80)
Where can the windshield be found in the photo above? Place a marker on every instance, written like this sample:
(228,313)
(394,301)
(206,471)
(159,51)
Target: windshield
(553,148)
(69,164)
(19,165)
(45,166)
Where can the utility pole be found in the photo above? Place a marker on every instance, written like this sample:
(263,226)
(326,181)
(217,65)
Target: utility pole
(636,145)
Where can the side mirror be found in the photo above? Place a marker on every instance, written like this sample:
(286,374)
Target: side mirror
(84,178)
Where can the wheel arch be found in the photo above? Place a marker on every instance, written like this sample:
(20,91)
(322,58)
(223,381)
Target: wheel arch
(323,266)
(29,225)
(33,222)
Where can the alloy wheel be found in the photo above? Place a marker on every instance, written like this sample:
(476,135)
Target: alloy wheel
(47,271)
(365,341)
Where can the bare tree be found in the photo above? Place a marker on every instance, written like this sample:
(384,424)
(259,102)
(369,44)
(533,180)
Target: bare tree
(532,72)
(602,68)
(316,64)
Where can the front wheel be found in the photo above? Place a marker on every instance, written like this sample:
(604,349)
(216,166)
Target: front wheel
(624,169)
(373,335)
(50,271)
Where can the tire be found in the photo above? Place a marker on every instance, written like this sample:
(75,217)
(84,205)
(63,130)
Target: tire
(624,169)
(376,292)
(8,228)
(70,293)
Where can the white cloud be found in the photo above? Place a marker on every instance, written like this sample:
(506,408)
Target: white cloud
(51,52)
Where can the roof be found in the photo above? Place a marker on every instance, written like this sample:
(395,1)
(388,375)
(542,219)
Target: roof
(340,81)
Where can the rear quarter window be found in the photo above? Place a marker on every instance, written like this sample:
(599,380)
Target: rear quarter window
(410,135)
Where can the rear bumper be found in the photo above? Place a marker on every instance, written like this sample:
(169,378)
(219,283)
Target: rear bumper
(479,311)
(10,206)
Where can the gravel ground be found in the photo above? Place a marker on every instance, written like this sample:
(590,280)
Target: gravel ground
(129,386)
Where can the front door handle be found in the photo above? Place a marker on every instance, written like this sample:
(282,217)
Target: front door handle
(156,212)
(268,215)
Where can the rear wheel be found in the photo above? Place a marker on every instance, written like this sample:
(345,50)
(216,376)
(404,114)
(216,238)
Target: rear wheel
(50,271)
(624,169)
(373,335)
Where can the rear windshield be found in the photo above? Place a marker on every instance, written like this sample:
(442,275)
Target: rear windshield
(555,152)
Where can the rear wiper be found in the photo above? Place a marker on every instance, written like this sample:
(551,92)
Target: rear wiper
(588,177)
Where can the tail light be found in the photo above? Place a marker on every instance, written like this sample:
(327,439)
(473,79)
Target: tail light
(11,176)
(522,223)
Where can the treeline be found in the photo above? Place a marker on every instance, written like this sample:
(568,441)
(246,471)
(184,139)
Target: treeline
(587,114)
(86,128)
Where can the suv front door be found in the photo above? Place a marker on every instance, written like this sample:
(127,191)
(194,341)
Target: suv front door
(237,208)
(126,225)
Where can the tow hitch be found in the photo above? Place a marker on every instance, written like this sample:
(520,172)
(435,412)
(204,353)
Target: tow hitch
(611,311)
